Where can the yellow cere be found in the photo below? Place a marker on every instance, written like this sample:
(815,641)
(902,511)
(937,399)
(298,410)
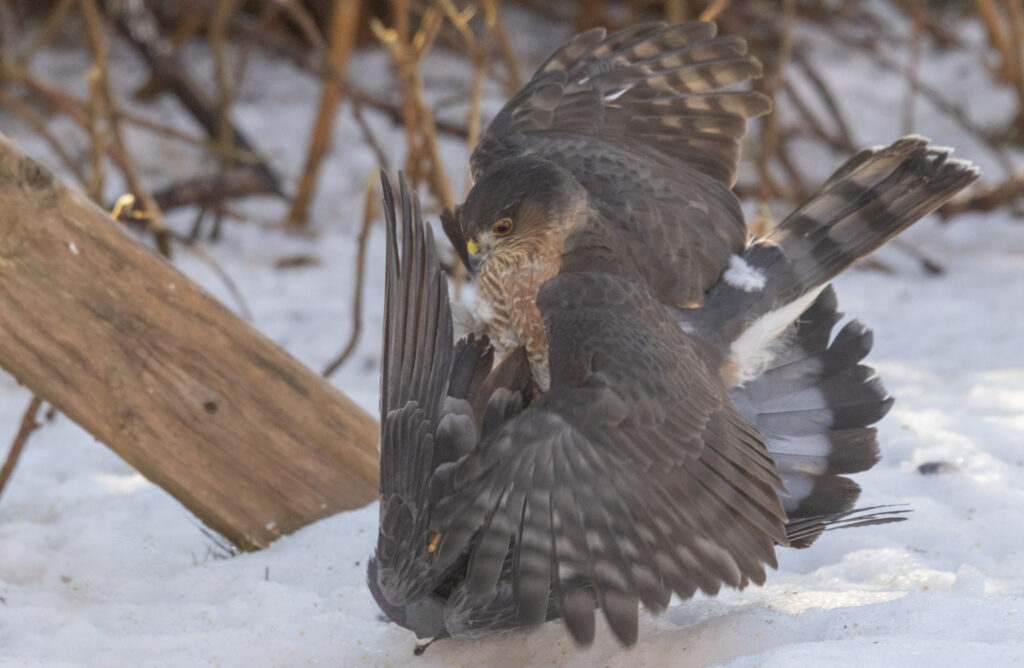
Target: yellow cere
(472,247)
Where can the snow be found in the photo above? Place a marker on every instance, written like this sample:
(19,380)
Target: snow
(100,567)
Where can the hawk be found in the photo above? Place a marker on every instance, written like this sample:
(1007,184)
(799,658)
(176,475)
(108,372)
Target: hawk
(652,401)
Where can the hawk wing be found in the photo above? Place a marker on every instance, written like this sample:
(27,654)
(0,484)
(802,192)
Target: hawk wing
(437,401)
(633,477)
(417,369)
(641,120)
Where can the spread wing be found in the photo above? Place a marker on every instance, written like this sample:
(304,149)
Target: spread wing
(632,478)
(641,119)
(436,400)
(416,367)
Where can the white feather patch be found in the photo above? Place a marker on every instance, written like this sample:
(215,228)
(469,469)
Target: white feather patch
(465,322)
(742,276)
(757,346)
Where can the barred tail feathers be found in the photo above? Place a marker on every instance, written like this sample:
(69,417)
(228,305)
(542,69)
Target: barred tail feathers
(873,197)
(815,404)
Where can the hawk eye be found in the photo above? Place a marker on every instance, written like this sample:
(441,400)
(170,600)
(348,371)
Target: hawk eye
(502,227)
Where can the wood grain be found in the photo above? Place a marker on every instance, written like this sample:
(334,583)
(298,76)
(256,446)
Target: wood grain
(246,437)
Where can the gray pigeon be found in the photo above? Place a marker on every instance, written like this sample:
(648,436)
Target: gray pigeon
(652,401)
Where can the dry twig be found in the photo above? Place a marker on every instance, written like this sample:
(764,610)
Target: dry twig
(243,308)
(408,51)
(106,105)
(394,112)
(1006,33)
(342,43)
(986,198)
(950,109)
(140,26)
(317,62)
(205,190)
(217,38)
(714,9)
(8,31)
(28,425)
(811,124)
(929,265)
(845,138)
(370,136)
(916,39)
(38,125)
(369,213)
(208,191)
(54,20)
(768,186)
(513,79)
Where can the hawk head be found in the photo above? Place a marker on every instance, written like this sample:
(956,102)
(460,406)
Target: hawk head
(518,207)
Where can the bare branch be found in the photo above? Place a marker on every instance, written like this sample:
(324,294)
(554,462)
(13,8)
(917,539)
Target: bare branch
(343,37)
(369,213)
(28,425)
(139,25)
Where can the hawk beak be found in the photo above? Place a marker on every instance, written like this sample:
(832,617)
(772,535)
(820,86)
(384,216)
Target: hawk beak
(475,258)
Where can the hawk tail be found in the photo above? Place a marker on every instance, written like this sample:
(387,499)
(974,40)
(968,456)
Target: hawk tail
(815,404)
(871,198)
(774,312)
(874,196)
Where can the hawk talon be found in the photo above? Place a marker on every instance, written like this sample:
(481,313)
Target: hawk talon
(421,645)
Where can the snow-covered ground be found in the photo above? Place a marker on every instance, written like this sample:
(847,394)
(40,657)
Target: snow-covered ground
(100,567)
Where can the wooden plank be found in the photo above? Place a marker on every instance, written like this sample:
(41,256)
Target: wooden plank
(246,437)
